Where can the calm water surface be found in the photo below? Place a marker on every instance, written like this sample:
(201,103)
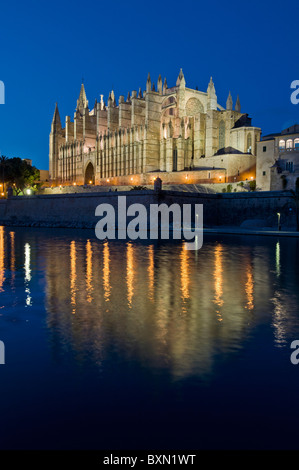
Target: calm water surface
(130,345)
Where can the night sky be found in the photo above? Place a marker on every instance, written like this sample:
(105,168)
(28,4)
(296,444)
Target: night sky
(250,48)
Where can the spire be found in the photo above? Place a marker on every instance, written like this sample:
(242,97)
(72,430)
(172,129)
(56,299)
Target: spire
(212,97)
(148,83)
(56,122)
(165,86)
(229,102)
(82,102)
(181,79)
(159,84)
(128,98)
(238,105)
(113,98)
(140,93)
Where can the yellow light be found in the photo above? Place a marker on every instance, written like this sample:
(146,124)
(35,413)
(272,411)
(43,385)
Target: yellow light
(60,185)
(252,177)
(74,184)
(2,194)
(131,179)
(154,178)
(90,182)
(108,180)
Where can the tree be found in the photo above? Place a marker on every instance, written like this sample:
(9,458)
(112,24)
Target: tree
(19,174)
(295,197)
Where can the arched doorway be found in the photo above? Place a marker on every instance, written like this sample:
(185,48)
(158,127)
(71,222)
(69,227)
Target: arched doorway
(89,174)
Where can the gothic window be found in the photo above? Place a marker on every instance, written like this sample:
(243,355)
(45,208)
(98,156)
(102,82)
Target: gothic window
(249,143)
(221,135)
(193,107)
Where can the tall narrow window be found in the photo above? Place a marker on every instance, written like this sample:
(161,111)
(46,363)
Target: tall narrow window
(296,144)
(175,160)
(221,135)
(282,144)
(289,144)
(249,143)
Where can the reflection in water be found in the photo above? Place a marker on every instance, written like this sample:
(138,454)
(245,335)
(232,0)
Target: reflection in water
(12,258)
(278,259)
(169,308)
(89,287)
(249,287)
(130,273)
(27,278)
(218,280)
(2,251)
(106,272)
(151,275)
(73,275)
(185,277)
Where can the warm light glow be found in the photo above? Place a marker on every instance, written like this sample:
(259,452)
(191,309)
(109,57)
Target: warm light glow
(106,272)
(90,182)
(151,273)
(130,273)
(185,275)
(219,178)
(108,180)
(2,254)
(252,177)
(218,279)
(131,179)
(74,184)
(89,287)
(249,288)
(28,191)
(73,276)
(2,194)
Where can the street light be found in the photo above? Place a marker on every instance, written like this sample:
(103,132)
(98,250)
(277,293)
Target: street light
(278,221)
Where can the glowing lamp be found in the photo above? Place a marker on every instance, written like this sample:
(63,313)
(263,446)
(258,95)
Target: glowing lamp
(108,180)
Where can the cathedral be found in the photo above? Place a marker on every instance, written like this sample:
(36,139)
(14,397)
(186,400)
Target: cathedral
(178,133)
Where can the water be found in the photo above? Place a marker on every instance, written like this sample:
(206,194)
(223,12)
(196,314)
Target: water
(124,345)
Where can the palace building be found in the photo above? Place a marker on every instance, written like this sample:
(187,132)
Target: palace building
(181,134)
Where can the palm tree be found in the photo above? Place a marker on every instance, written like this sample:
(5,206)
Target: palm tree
(3,161)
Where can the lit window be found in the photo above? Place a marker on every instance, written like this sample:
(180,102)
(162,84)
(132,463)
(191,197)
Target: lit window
(282,144)
(289,144)
(296,144)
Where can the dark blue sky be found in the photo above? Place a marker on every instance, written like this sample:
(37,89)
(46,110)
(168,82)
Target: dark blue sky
(250,48)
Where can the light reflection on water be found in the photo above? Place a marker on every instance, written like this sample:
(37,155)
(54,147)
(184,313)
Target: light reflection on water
(164,306)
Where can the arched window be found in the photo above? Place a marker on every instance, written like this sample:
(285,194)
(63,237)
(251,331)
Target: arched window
(221,135)
(289,144)
(249,143)
(282,144)
(296,144)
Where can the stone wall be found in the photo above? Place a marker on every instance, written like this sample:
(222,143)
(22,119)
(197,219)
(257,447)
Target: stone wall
(78,210)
